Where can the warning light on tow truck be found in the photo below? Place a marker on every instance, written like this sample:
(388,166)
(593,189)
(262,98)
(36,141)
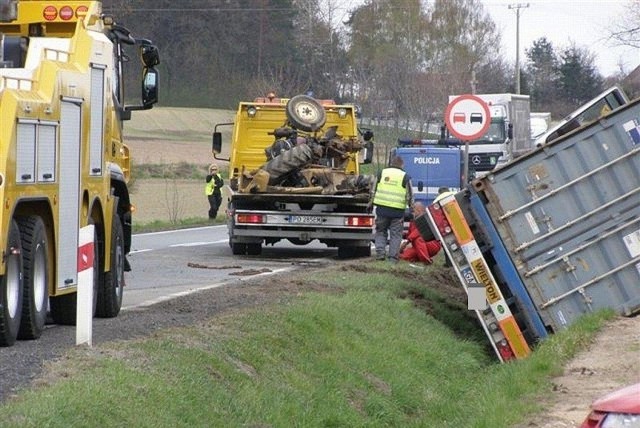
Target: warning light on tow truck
(65,13)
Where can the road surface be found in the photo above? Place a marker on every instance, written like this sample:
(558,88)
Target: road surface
(172,263)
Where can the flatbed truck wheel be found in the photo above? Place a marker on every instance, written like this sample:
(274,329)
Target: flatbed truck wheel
(254,249)
(238,249)
(352,251)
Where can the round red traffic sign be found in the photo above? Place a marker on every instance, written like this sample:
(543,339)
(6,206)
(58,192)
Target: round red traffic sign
(467,117)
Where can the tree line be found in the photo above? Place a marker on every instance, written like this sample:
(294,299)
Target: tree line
(399,58)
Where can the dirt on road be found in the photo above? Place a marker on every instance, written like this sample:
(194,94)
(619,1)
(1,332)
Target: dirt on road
(611,362)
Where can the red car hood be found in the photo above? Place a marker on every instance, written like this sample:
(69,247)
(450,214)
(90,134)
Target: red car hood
(625,400)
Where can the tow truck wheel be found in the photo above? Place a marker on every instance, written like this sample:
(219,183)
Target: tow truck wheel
(305,113)
(110,289)
(63,308)
(35,259)
(11,288)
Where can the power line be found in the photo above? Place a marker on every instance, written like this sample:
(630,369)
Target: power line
(217,9)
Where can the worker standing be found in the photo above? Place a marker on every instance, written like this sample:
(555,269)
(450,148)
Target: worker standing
(213,190)
(391,197)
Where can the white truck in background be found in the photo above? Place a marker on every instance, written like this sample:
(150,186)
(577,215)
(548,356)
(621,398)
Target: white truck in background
(508,136)
(540,122)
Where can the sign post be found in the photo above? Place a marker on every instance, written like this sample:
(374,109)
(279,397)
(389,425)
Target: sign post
(84,308)
(467,117)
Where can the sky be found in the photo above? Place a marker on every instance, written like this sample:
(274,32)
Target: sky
(586,23)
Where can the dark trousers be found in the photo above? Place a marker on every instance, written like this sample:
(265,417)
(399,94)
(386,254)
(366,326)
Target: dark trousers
(392,228)
(214,204)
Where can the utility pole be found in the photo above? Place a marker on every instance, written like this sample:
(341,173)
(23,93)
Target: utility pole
(473,81)
(517,7)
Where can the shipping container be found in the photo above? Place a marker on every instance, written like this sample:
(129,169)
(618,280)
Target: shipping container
(559,228)
(571,213)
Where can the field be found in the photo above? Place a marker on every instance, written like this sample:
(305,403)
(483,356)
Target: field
(169,136)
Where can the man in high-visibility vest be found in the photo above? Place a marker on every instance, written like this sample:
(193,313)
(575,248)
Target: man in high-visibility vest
(212,190)
(391,198)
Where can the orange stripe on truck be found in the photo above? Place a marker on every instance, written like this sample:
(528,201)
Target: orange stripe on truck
(456,220)
(514,336)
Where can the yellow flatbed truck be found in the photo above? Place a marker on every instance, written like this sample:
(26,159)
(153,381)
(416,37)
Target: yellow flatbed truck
(294,175)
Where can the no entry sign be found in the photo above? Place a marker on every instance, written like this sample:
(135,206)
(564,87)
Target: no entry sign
(467,117)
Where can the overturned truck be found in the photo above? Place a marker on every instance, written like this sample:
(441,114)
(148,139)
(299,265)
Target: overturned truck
(550,236)
(294,174)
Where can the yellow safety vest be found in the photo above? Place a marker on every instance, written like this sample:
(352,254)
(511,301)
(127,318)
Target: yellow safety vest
(389,191)
(211,185)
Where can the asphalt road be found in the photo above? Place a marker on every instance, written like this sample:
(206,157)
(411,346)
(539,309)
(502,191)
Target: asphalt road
(172,263)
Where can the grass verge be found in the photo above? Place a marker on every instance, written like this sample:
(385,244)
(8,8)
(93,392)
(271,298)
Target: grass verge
(183,223)
(180,170)
(390,348)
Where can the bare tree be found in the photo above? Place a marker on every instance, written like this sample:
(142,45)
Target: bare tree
(387,49)
(627,28)
(463,38)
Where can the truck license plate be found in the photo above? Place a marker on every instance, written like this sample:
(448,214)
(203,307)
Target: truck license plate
(305,219)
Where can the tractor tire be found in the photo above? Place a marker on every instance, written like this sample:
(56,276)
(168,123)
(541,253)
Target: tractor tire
(305,113)
(287,162)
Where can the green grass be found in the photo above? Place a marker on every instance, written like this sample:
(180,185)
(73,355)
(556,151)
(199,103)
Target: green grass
(178,171)
(183,223)
(361,353)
